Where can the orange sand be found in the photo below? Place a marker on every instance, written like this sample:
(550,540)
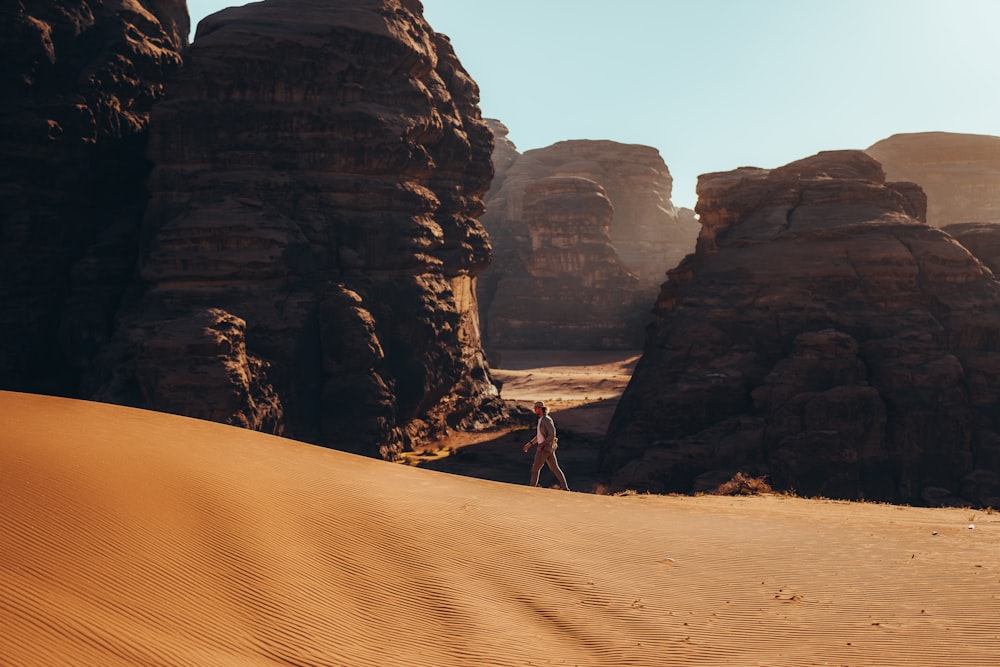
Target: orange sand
(136,538)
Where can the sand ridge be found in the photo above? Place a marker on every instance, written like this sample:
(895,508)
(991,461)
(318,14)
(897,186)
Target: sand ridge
(137,538)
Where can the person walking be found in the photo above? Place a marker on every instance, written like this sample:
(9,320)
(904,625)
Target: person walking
(545,438)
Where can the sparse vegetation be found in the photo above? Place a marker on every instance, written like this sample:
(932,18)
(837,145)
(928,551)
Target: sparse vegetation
(741,485)
(602,489)
(631,492)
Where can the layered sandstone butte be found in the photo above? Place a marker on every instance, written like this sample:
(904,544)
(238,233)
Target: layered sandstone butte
(505,151)
(310,250)
(79,81)
(982,239)
(960,173)
(824,335)
(583,233)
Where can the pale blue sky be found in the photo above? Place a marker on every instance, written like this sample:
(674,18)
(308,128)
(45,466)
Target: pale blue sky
(719,84)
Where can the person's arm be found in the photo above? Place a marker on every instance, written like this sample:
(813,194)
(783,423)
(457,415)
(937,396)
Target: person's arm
(528,445)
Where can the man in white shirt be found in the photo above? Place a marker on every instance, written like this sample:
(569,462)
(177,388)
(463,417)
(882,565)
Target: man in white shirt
(545,438)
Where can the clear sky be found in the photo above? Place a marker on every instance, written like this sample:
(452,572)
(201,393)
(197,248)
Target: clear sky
(719,84)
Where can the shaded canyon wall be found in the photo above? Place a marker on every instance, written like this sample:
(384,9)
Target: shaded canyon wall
(823,335)
(307,260)
(583,233)
(79,81)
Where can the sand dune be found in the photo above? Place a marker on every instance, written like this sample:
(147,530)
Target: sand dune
(136,538)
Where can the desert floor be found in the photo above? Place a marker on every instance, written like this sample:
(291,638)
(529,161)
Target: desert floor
(581,389)
(137,538)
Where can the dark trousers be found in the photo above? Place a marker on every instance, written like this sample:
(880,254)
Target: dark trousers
(547,456)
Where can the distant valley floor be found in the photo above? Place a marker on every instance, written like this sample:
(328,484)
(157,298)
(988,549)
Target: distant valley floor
(581,388)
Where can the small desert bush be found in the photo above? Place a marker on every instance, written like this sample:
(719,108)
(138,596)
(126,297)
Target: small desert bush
(741,485)
(607,490)
(631,492)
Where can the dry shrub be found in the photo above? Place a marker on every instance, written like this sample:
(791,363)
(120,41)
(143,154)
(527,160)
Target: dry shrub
(741,485)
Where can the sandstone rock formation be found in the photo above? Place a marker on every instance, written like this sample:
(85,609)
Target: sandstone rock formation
(960,173)
(982,239)
(312,231)
(583,232)
(308,259)
(79,81)
(310,250)
(505,152)
(824,335)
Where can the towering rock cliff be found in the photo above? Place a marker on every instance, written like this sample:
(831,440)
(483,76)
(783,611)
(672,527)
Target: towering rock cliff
(960,173)
(505,152)
(583,232)
(305,260)
(824,335)
(982,239)
(79,80)
(310,251)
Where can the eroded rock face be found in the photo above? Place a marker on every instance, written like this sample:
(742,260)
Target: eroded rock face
(613,232)
(982,239)
(505,152)
(959,172)
(197,365)
(822,334)
(311,244)
(79,81)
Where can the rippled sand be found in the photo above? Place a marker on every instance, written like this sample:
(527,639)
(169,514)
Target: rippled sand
(136,538)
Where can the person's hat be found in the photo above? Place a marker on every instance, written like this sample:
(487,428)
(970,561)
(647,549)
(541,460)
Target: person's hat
(539,404)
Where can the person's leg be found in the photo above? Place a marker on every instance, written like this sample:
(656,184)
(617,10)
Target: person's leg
(553,464)
(536,466)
